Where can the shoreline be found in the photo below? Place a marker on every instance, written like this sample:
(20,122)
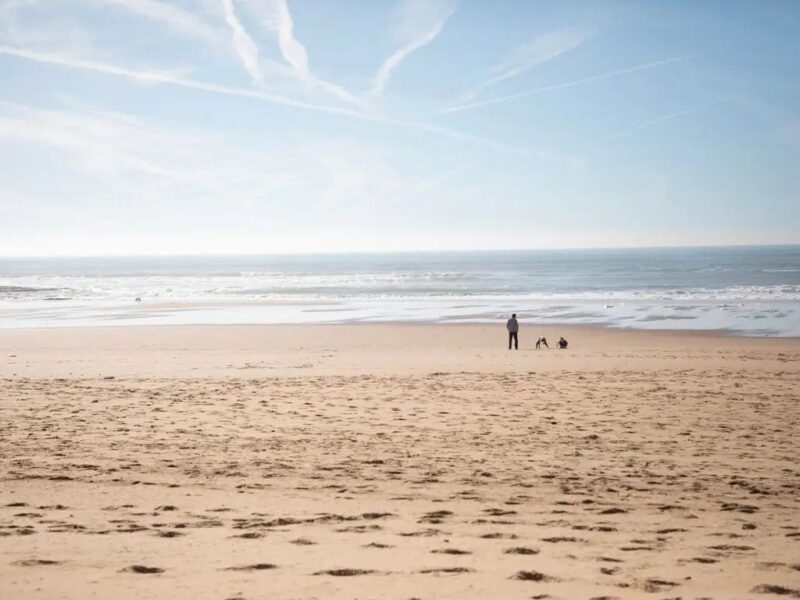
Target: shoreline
(746,318)
(387,348)
(496,324)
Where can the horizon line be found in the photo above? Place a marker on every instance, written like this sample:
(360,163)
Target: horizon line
(396,252)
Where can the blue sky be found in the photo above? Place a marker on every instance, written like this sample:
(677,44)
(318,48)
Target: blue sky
(193,126)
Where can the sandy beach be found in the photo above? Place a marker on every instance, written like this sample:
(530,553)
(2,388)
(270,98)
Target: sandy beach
(397,461)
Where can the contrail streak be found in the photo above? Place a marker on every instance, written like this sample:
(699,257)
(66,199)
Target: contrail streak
(420,41)
(568,84)
(157,77)
(663,118)
(243,44)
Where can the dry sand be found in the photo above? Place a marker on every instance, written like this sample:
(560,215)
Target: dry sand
(393,461)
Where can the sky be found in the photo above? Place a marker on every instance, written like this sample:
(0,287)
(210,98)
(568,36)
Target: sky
(249,126)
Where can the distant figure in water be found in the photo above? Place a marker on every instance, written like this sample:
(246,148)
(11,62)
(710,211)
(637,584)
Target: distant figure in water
(540,341)
(513,329)
(562,343)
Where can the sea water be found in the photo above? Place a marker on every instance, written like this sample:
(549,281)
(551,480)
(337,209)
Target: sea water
(744,290)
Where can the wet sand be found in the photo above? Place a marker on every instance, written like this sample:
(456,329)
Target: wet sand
(397,461)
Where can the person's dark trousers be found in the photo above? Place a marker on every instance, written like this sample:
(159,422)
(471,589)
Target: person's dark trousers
(512,337)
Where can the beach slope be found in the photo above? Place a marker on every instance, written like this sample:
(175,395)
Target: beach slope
(397,461)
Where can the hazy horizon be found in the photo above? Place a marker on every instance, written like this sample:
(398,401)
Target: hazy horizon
(191,127)
(409,251)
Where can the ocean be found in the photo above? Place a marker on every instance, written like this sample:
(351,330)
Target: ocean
(742,290)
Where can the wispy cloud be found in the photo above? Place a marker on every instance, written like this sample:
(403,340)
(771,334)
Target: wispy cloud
(282,23)
(276,18)
(421,21)
(203,23)
(115,150)
(170,15)
(16,28)
(243,44)
(100,144)
(118,148)
(164,78)
(567,84)
(667,117)
(541,49)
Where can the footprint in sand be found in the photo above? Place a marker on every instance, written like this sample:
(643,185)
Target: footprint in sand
(169,534)
(447,570)
(436,517)
(141,569)
(423,533)
(653,585)
(780,590)
(499,536)
(521,550)
(36,562)
(253,567)
(345,572)
(302,542)
(532,576)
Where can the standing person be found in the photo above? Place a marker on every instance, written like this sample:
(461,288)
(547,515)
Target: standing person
(513,329)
